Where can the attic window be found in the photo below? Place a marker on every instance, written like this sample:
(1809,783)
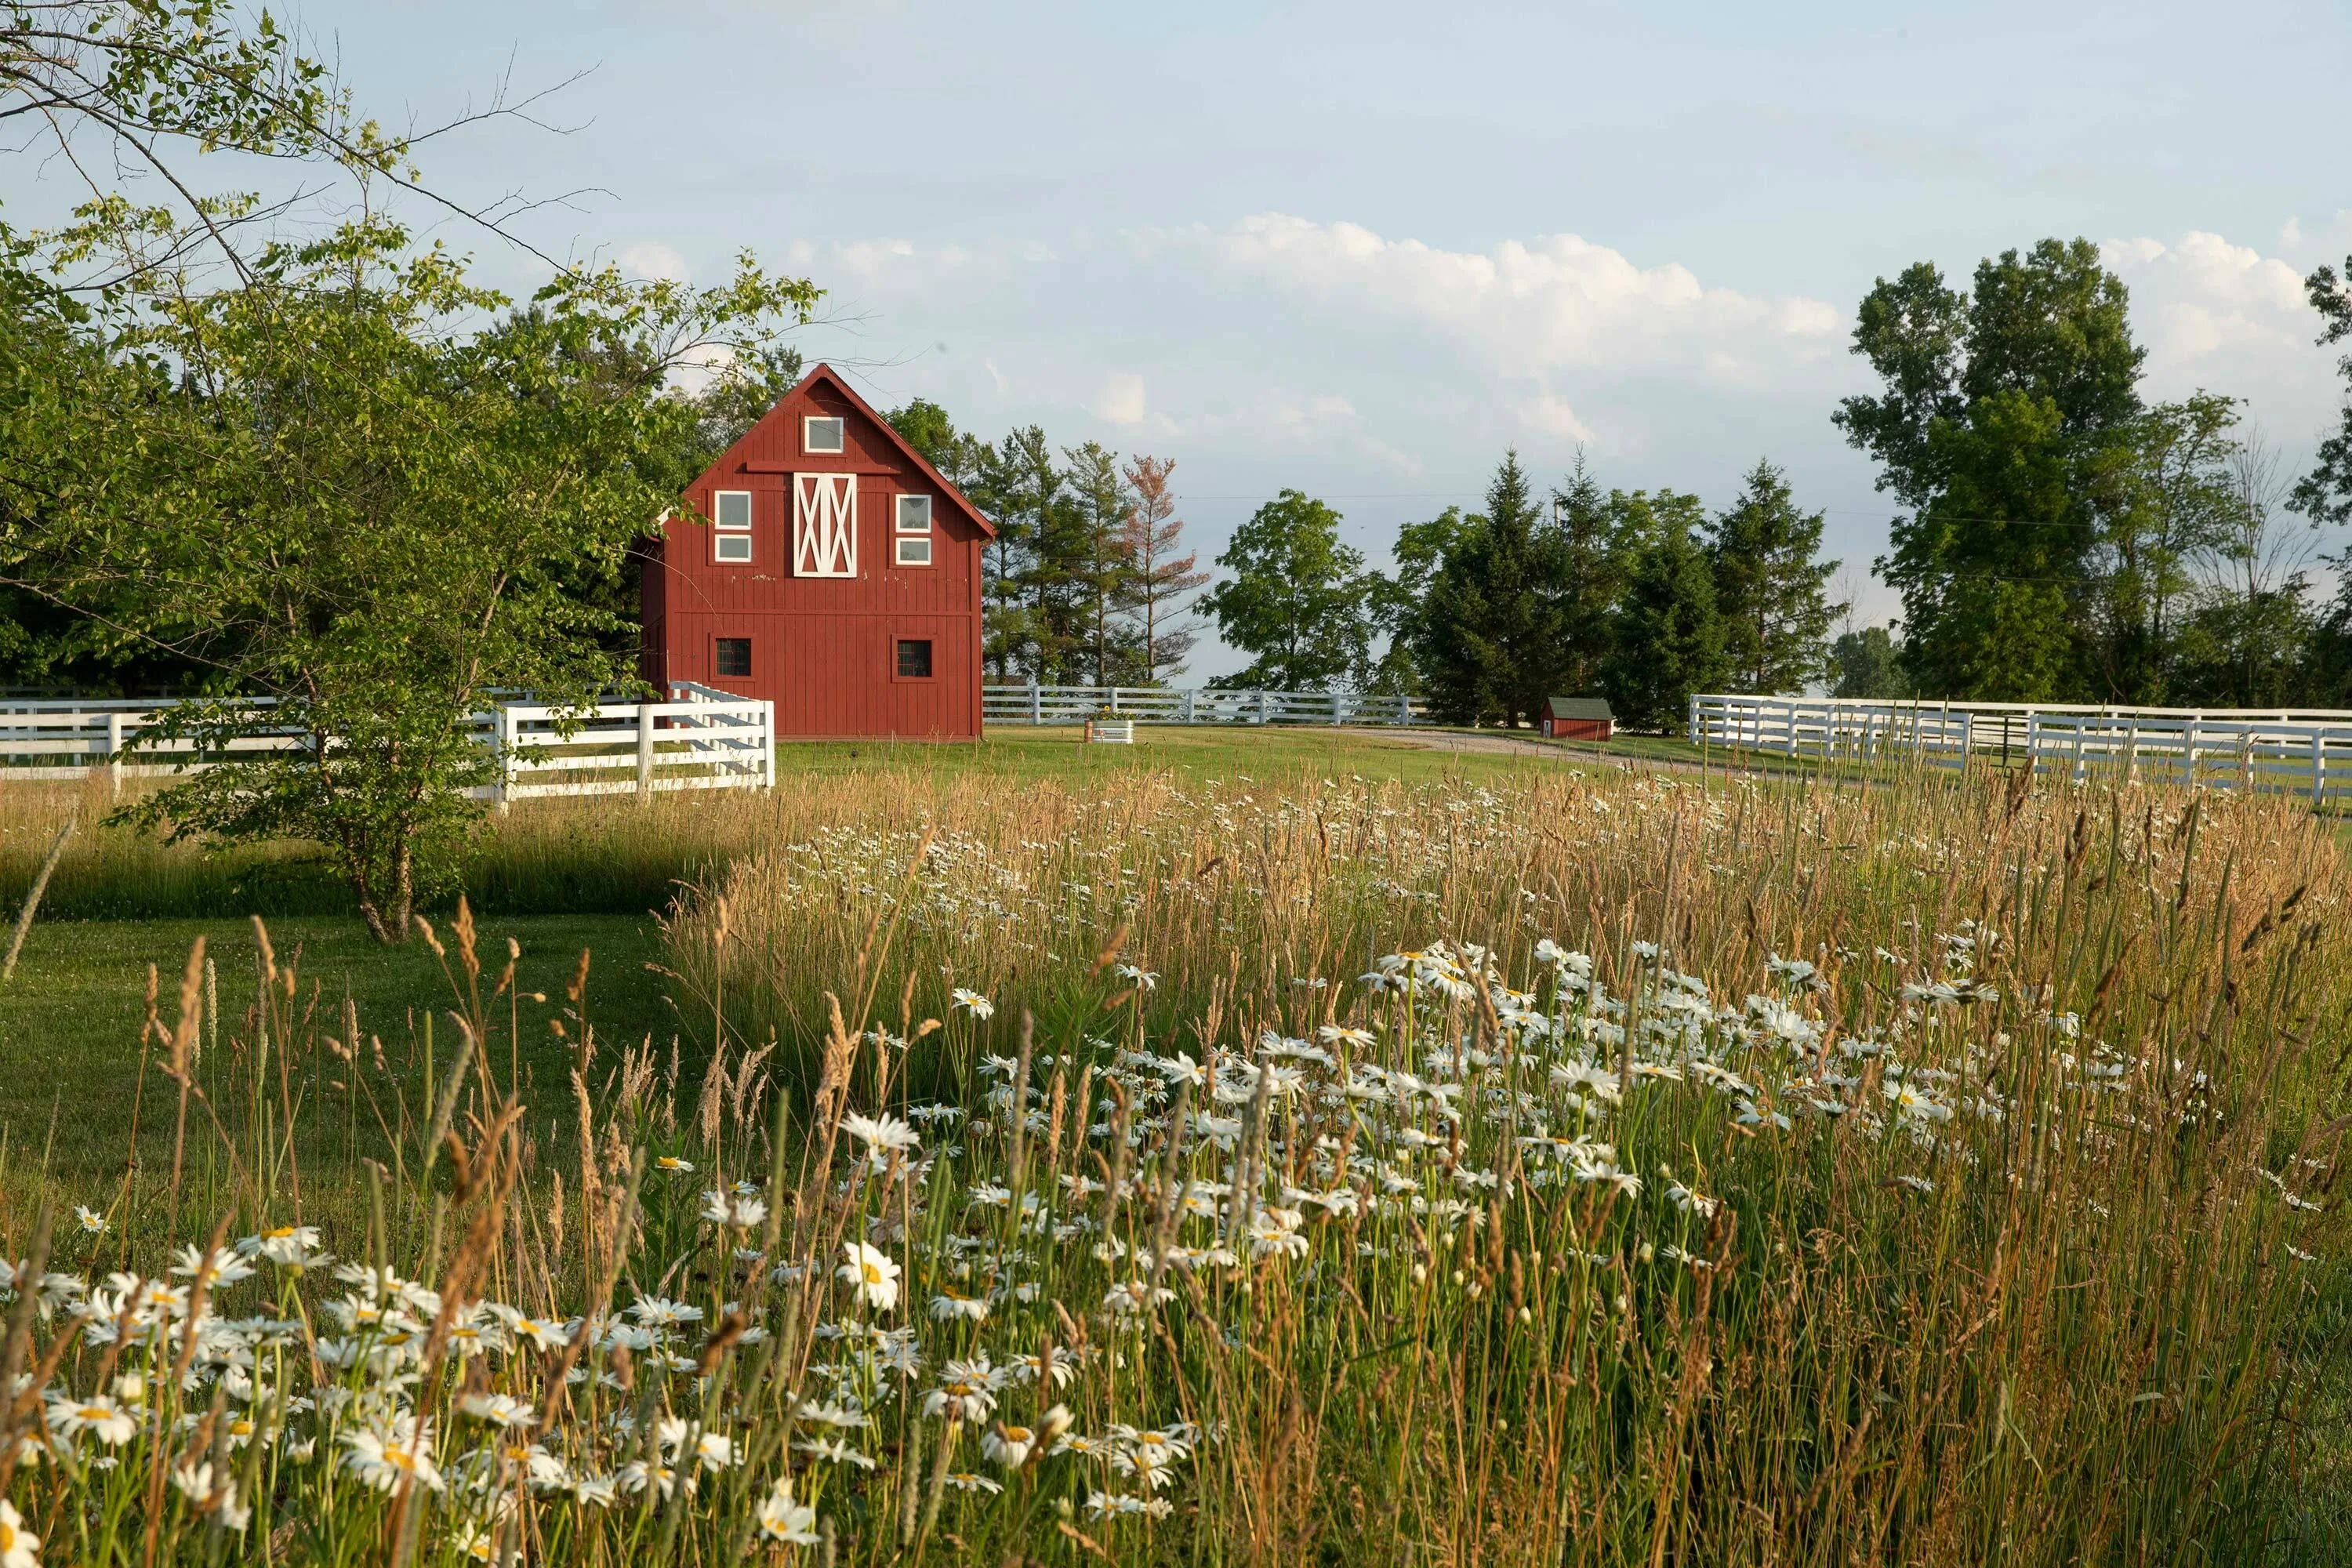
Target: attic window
(913,532)
(821,434)
(731,514)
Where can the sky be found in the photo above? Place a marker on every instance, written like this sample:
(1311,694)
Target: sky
(1362,249)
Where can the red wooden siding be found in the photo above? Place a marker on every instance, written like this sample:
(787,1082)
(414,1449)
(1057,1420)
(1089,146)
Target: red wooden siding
(824,650)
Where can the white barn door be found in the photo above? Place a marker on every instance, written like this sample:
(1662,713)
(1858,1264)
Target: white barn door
(824,525)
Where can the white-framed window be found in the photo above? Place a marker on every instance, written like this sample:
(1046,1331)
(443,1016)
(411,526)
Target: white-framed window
(824,525)
(821,433)
(912,531)
(730,517)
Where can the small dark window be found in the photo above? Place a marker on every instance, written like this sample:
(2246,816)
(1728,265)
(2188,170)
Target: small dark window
(734,656)
(915,659)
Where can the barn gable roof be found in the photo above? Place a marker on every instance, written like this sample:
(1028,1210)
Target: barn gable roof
(731,460)
(1578,708)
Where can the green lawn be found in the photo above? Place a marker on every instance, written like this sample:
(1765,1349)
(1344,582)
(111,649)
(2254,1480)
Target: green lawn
(69,1020)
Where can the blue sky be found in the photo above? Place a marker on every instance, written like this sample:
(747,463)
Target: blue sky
(1362,250)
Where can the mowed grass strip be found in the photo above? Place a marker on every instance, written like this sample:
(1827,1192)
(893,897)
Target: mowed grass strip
(70,1020)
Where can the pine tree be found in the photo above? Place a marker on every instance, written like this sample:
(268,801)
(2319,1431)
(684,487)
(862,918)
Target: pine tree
(1667,643)
(1020,488)
(1102,572)
(1154,534)
(1593,564)
(1491,624)
(1769,588)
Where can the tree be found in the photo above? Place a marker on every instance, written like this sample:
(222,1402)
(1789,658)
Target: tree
(1102,572)
(351,486)
(926,427)
(2000,412)
(2168,499)
(1768,586)
(1395,605)
(1866,662)
(1593,560)
(2251,638)
(1020,488)
(1161,577)
(1491,626)
(1667,643)
(2324,495)
(1294,599)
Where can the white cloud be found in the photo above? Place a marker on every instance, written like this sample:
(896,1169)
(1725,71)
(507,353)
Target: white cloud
(651,259)
(1527,308)
(2229,319)
(1121,401)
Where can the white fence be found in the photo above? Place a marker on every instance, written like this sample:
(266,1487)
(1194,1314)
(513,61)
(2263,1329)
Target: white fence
(2306,750)
(701,739)
(1006,704)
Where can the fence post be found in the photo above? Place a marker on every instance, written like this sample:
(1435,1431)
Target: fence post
(645,750)
(114,751)
(1265,707)
(1188,705)
(1037,702)
(2319,768)
(502,752)
(2188,755)
(1338,718)
(767,746)
(1114,700)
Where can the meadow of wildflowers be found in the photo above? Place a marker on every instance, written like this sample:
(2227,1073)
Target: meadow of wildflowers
(1611,1169)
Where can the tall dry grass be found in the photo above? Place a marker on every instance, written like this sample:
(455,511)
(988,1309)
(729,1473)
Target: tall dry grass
(2079,1321)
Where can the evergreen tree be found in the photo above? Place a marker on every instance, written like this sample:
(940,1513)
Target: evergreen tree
(1667,642)
(1594,559)
(1769,588)
(1492,623)
(1154,535)
(1294,601)
(1020,488)
(1102,572)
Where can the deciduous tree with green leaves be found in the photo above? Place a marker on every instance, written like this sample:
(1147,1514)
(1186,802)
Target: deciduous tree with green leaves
(1294,601)
(2001,409)
(2324,495)
(363,491)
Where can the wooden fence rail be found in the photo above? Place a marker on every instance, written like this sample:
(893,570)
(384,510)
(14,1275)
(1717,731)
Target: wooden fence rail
(700,739)
(2304,751)
(1009,704)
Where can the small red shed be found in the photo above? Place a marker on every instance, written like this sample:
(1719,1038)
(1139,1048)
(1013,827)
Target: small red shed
(823,564)
(1578,718)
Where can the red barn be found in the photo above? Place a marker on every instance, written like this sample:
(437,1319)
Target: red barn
(823,564)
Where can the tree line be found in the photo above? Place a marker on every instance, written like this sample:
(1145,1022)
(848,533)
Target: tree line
(2062,537)
(1643,596)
